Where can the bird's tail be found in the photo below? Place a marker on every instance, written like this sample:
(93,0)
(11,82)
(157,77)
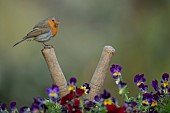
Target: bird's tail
(19,42)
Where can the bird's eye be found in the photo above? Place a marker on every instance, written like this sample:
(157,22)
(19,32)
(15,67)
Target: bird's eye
(53,20)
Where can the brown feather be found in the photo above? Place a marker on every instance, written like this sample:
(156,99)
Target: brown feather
(33,34)
(36,32)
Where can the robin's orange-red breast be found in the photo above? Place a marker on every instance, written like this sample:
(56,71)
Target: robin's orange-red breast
(42,31)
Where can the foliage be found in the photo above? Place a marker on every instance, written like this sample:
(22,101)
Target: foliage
(157,101)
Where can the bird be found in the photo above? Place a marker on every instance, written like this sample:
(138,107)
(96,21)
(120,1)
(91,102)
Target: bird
(42,31)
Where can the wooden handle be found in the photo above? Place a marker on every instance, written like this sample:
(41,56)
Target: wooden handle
(100,72)
(55,70)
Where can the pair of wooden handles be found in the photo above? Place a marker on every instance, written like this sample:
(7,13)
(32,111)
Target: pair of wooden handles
(97,79)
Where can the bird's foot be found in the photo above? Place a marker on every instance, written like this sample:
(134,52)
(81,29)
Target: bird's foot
(48,46)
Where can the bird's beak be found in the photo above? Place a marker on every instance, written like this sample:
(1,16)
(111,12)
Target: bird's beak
(55,25)
(57,22)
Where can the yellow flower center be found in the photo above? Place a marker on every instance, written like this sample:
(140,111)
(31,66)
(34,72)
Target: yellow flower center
(84,88)
(117,73)
(145,102)
(71,87)
(42,111)
(107,102)
(139,83)
(165,84)
(153,104)
(36,111)
(53,94)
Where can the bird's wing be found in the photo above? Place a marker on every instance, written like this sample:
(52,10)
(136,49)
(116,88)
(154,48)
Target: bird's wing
(39,25)
(36,32)
(42,24)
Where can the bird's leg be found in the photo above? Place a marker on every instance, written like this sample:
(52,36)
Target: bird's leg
(46,46)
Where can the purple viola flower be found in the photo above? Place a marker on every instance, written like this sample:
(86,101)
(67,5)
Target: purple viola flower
(73,80)
(155,85)
(156,96)
(139,78)
(147,99)
(134,104)
(121,85)
(71,84)
(53,92)
(13,108)
(155,99)
(116,71)
(143,87)
(105,94)
(97,98)
(38,100)
(3,107)
(130,105)
(164,80)
(35,108)
(89,105)
(165,76)
(86,88)
(24,109)
(13,104)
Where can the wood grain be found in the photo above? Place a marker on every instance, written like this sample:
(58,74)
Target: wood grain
(55,70)
(99,75)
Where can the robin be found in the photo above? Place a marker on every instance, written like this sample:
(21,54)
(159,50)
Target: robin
(42,31)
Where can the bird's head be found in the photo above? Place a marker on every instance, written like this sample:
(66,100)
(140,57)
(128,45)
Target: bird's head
(53,22)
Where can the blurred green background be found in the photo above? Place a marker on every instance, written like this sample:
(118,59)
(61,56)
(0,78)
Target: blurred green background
(137,29)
